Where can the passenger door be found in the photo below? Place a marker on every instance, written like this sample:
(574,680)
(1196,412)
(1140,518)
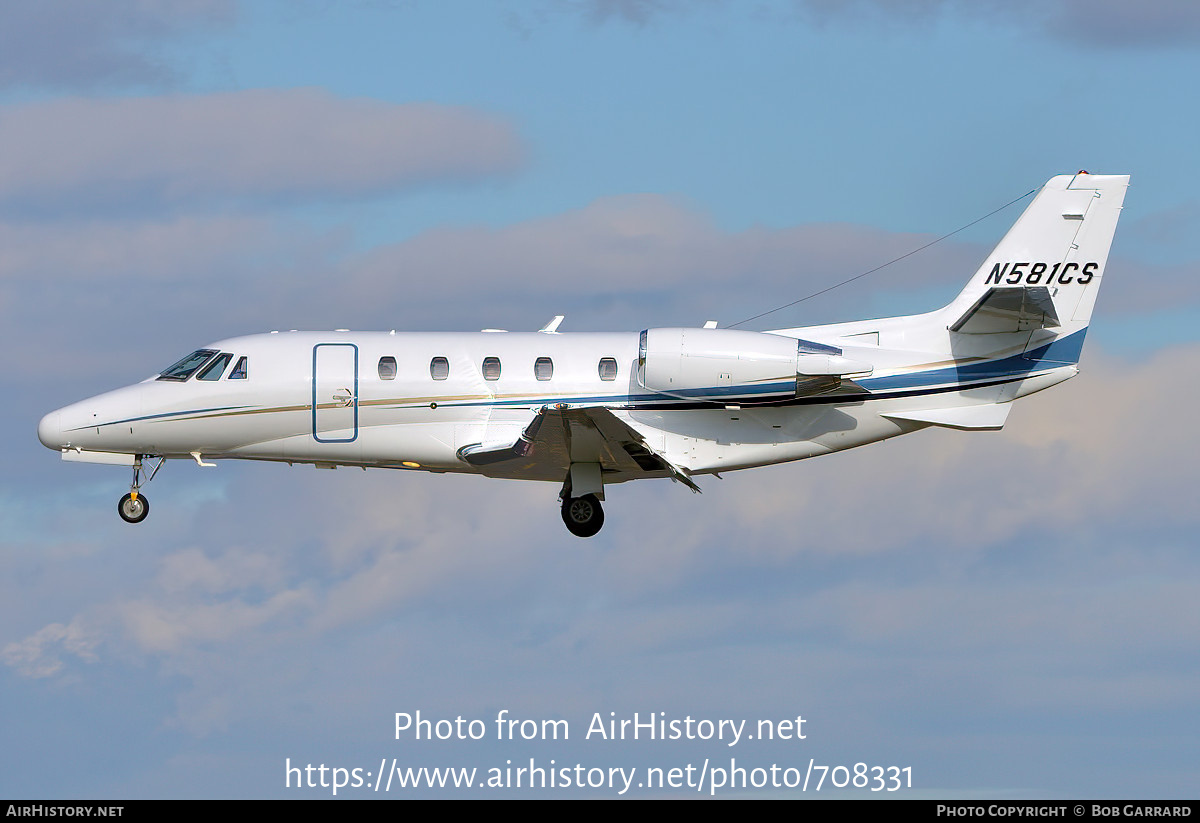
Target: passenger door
(335,393)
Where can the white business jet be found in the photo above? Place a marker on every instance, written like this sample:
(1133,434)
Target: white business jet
(589,410)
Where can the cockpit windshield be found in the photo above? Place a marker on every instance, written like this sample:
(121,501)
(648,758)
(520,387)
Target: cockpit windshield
(187,366)
(215,369)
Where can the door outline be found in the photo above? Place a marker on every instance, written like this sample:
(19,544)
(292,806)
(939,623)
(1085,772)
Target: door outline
(353,404)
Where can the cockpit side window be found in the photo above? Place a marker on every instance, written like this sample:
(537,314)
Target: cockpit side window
(187,366)
(216,368)
(240,370)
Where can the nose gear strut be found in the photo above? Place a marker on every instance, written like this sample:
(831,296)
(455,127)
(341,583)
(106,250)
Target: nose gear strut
(134,506)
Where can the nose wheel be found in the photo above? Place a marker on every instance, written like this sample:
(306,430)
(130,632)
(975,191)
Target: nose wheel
(133,509)
(583,516)
(134,506)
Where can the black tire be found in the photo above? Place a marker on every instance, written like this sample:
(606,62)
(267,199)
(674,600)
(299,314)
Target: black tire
(583,516)
(133,511)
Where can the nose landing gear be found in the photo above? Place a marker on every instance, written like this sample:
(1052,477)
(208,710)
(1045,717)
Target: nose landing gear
(133,509)
(134,506)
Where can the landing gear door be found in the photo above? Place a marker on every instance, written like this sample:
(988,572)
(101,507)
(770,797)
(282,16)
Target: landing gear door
(335,393)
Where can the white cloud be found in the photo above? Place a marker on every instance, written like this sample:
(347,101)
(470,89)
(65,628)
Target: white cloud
(1110,23)
(82,44)
(632,11)
(40,654)
(1114,23)
(182,625)
(651,260)
(178,248)
(146,153)
(644,252)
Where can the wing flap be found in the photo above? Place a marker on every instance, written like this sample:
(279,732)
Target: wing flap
(616,431)
(560,435)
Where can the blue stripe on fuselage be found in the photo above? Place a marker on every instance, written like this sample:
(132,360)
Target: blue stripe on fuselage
(1059,352)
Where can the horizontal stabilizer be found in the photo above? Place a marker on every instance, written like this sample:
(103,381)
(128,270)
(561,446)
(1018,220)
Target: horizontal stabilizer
(1009,309)
(985,416)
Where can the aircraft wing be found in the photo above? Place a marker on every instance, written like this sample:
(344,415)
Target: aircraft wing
(561,435)
(1009,309)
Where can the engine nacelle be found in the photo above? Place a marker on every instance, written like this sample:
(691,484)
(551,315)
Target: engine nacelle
(732,366)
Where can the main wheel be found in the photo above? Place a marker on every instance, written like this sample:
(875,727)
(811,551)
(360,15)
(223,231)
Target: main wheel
(583,515)
(133,511)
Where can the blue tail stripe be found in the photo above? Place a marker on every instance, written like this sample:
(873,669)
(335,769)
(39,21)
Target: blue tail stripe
(1063,351)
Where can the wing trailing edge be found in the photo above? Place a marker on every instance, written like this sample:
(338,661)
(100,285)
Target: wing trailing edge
(621,446)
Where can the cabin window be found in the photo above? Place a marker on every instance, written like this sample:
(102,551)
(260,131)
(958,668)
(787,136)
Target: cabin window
(608,368)
(491,368)
(543,368)
(215,369)
(187,366)
(387,368)
(439,368)
(240,370)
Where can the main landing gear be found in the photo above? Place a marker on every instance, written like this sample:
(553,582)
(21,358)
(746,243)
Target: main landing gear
(134,506)
(583,515)
(582,491)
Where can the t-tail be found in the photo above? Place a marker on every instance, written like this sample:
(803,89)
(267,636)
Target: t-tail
(1043,277)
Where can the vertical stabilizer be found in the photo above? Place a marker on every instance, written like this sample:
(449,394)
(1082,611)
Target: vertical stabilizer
(1044,275)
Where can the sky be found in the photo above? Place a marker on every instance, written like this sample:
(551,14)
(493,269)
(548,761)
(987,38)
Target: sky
(1004,615)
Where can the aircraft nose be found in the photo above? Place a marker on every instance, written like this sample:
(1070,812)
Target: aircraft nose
(50,431)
